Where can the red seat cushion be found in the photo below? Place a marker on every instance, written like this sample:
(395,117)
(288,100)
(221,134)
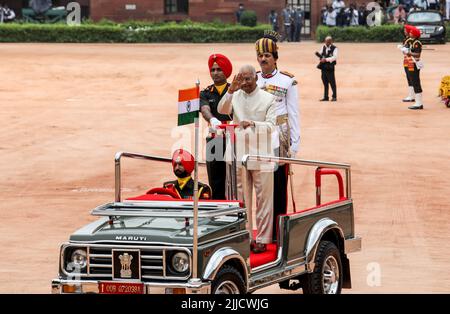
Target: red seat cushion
(152,197)
(258,259)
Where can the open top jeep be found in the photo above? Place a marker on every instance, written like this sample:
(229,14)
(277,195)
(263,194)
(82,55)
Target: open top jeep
(146,244)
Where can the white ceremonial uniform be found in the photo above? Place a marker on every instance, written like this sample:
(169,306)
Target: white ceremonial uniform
(258,106)
(284,87)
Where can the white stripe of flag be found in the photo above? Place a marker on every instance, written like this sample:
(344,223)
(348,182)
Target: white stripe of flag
(188,106)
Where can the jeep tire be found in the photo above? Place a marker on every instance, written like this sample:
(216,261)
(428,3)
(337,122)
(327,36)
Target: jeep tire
(327,276)
(228,281)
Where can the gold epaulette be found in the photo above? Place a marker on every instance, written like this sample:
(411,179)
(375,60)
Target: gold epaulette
(287,73)
(209,88)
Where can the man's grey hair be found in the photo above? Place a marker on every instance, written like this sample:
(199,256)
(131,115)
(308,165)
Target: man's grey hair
(248,68)
(328,37)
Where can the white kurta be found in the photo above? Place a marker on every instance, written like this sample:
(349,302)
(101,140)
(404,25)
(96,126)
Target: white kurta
(259,107)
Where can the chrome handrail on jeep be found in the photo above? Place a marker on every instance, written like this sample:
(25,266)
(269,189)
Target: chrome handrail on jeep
(168,209)
(118,178)
(294,161)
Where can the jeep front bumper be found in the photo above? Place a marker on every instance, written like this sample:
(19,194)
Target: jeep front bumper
(60,286)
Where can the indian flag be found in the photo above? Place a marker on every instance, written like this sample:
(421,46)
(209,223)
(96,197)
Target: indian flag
(188,105)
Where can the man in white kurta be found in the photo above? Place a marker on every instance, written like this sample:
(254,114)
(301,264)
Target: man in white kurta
(254,110)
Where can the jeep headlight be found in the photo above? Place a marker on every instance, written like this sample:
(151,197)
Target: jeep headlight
(78,260)
(439,29)
(180,262)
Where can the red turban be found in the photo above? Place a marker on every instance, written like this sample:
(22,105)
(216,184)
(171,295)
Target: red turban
(408,28)
(223,62)
(185,158)
(413,31)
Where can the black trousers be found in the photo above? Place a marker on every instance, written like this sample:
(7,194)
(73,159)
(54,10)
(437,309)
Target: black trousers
(298,32)
(414,77)
(287,32)
(280,195)
(216,166)
(328,78)
(410,83)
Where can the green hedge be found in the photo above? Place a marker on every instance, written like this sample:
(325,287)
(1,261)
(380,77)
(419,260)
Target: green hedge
(447,29)
(249,18)
(60,33)
(149,32)
(383,33)
(130,33)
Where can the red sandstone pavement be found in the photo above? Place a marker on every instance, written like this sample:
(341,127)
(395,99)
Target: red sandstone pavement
(66,109)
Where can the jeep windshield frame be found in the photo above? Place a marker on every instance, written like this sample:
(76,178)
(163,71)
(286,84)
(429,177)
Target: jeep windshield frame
(167,209)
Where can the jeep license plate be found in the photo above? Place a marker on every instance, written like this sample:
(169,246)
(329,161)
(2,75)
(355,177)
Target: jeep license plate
(121,288)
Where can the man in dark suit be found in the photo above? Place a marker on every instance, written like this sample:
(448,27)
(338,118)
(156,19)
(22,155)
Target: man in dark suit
(327,64)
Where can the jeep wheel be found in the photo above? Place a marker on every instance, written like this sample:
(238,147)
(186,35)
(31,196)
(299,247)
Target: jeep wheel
(327,275)
(228,281)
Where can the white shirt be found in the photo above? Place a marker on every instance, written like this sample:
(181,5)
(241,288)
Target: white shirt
(338,4)
(335,54)
(421,4)
(355,18)
(330,18)
(10,15)
(284,88)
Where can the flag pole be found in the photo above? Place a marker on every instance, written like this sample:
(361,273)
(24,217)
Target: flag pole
(195,232)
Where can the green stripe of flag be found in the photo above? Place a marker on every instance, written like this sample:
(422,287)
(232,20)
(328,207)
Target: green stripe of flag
(187,118)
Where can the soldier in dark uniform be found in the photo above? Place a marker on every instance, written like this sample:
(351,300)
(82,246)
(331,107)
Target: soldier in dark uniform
(220,69)
(414,66)
(183,164)
(405,49)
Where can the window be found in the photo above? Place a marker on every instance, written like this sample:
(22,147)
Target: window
(176,6)
(305,5)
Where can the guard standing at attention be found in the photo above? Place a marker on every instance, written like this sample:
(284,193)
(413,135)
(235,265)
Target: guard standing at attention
(283,86)
(220,68)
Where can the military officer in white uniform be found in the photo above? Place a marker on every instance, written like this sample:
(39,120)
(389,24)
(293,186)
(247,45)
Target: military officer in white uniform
(284,86)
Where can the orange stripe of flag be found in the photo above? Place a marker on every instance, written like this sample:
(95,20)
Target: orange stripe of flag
(188,94)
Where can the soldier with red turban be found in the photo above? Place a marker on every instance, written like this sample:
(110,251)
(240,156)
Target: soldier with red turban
(405,49)
(413,63)
(183,164)
(220,68)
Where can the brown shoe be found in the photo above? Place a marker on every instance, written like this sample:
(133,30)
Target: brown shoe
(259,248)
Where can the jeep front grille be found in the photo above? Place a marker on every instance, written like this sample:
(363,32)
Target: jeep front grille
(153,262)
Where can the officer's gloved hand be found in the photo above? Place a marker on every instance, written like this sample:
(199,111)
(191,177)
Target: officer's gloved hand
(214,123)
(405,50)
